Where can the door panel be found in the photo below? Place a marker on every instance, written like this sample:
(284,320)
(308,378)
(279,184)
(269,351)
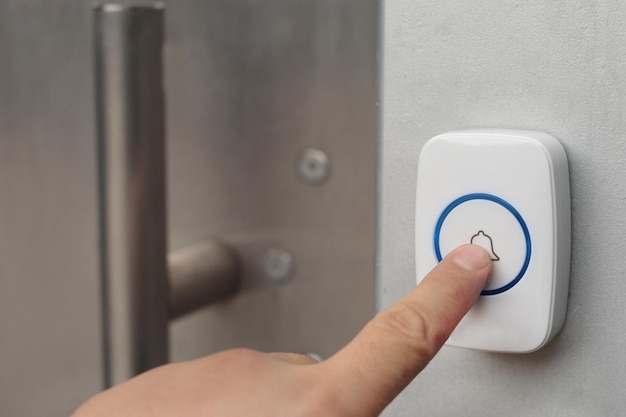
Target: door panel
(249,86)
(303,75)
(49,295)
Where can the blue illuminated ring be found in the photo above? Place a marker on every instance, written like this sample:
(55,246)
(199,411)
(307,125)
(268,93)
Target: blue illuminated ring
(511,209)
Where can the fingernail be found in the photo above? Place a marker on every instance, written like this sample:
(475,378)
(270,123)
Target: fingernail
(471,257)
(315,356)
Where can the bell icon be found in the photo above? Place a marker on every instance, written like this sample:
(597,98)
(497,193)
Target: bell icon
(484,240)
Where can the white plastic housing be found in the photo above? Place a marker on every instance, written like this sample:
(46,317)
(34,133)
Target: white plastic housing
(507,191)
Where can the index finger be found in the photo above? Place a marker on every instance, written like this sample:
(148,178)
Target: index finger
(400,341)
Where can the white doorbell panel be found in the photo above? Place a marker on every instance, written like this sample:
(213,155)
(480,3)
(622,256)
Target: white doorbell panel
(507,191)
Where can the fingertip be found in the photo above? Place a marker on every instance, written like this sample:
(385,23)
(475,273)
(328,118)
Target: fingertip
(470,257)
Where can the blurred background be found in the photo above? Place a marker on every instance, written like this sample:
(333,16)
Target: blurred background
(250,86)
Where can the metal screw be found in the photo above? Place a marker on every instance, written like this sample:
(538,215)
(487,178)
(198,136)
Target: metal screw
(313,166)
(278,265)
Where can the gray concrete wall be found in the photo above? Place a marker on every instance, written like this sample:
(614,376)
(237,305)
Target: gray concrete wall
(552,66)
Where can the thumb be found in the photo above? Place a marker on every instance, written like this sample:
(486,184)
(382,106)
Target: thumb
(400,341)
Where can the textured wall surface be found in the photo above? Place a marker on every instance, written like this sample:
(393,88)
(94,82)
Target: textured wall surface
(553,66)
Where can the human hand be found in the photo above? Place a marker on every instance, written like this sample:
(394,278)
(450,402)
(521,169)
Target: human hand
(360,380)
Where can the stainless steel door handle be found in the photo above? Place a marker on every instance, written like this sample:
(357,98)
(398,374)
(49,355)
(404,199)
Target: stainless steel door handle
(139,300)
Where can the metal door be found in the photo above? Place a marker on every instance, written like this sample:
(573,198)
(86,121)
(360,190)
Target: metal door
(250,86)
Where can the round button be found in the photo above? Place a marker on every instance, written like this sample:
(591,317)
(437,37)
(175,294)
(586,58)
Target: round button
(494,224)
